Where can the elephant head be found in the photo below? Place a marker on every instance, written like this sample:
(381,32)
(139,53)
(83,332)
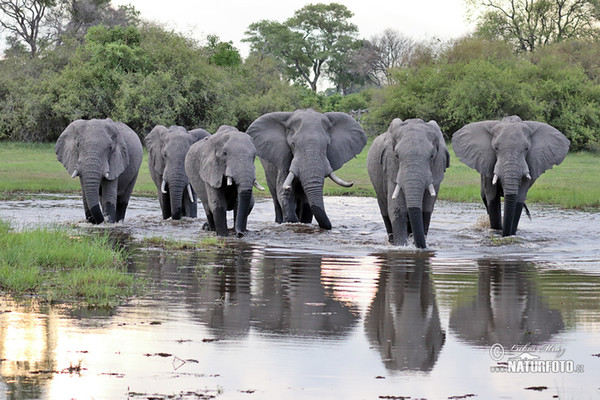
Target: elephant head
(224,162)
(406,165)
(510,155)
(167,149)
(98,151)
(306,147)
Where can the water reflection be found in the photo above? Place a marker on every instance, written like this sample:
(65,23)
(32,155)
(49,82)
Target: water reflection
(27,343)
(506,307)
(403,321)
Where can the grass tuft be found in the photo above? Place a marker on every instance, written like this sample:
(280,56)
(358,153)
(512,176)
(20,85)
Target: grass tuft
(56,266)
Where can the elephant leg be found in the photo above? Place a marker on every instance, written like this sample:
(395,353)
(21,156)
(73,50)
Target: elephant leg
(189,209)
(388,228)
(426,221)
(400,227)
(304,212)
(219,215)
(494,212)
(278,210)
(110,212)
(288,206)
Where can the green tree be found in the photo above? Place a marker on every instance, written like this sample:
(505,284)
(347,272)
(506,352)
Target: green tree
(310,44)
(529,24)
(223,54)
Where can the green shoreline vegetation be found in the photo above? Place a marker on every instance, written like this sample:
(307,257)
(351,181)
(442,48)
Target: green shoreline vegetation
(54,264)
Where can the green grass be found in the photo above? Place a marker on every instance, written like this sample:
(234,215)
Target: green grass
(55,265)
(33,168)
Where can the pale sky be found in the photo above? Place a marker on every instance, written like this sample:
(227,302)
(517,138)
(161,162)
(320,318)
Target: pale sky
(229,19)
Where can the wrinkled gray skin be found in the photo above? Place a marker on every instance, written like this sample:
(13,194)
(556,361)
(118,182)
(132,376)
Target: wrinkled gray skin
(298,150)
(406,165)
(221,170)
(106,155)
(167,149)
(510,155)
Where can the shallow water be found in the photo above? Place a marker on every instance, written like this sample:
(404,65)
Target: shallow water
(294,312)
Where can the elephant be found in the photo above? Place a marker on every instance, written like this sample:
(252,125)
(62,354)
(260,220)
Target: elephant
(106,155)
(406,166)
(298,150)
(510,155)
(221,170)
(167,149)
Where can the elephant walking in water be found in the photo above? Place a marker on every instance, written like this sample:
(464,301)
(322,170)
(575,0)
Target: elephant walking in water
(167,149)
(298,150)
(510,155)
(221,170)
(106,156)
(406,165)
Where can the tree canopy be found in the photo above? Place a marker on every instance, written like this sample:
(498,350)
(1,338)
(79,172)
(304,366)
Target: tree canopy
(529,24)
(309,44)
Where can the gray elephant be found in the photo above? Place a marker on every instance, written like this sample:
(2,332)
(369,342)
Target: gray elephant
(510,155)
(106,155)
(221,170)
(298,150)
(167,149)
(406,165)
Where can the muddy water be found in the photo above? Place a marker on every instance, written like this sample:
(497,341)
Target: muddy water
(294,312)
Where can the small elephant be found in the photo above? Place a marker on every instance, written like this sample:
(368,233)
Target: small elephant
(298,150)
(167,149)
(106,155)
(510,155)
(221,170)
(406,165)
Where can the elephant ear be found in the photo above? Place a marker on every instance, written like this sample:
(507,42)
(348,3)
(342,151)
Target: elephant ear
(389,161)
(154,143)
(442,159)
(347,139)
(66,148)
(118,159)
(473,146)
(548,147)
(269,134)
(198,134)
(212,164)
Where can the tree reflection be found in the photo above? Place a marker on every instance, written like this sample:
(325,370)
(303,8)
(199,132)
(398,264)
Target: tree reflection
(403,320)
(506,308)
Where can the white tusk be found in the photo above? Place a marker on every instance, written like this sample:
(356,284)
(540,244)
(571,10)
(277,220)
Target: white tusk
(287,184)
(257,185)
(431,190)
(528,176)
(106,175)
(396,192)
(495,179)
(229,181)
(340,181)
(75,173)
(190,193)
(163,187)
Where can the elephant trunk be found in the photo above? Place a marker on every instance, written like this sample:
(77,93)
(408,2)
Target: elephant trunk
(415,216)
(510,208)
(314,193)
(90,185)
(244,205)
(177,189)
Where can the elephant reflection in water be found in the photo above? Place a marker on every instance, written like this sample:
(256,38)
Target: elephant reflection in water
(403,320)
(275,293)
(506,308)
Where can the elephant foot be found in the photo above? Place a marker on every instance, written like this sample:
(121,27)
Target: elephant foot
(240,234)
(207,227)
(390,238)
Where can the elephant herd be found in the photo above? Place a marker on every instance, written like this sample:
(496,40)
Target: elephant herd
(298,150)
